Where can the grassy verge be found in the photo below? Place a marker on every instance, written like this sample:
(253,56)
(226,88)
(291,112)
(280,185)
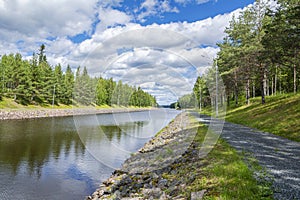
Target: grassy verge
(280,115)
(223,173)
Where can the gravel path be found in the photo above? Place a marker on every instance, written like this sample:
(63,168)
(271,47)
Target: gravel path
(279,156)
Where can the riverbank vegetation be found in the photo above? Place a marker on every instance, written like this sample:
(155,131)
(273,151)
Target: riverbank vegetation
(36,82)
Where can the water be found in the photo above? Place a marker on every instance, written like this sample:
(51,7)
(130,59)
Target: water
(67,158)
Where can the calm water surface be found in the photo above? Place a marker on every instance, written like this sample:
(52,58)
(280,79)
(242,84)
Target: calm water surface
(67,158)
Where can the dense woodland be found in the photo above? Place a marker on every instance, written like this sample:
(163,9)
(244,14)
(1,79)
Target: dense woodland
(35,81)
(258,57)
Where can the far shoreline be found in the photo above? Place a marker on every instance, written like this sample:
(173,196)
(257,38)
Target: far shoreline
(20,114)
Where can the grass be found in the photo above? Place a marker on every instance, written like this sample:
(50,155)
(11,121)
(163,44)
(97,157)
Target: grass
(10,104)
(228,176)
(223,173)
(280,115)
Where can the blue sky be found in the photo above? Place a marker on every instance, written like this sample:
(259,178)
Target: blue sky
(194,11)
(189,11)
(160,45)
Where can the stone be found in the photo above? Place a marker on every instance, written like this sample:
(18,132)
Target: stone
(162,183)
(197,195)
(154,193)
(155,176)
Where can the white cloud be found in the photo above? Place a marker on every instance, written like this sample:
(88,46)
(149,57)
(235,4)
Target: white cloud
(184,2)
(110,17)
(154,7)
(111,3)
(163,59)
(47,18)
(202,1)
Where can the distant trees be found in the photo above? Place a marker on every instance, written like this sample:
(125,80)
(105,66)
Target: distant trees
(187,101)
(34,81)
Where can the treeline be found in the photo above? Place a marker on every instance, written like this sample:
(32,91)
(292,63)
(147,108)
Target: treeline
(36,82)
(258,57)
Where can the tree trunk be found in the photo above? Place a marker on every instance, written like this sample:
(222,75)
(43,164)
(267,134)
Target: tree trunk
(275,81)
(200,101)
(263,81)
(228,101)
(236,95)
(272,86)
(268,87)
(280,88)
(248,92)
(253,89)
(295,79)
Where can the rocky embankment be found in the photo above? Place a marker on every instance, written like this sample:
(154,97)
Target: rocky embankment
(163,169)
(41,113)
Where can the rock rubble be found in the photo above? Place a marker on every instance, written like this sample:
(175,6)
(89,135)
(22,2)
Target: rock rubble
(42,113)
(142,176)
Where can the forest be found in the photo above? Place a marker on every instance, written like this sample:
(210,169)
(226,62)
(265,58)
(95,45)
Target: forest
(258,57)
(36,82)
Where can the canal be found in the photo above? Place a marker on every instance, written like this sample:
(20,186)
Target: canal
(68,157)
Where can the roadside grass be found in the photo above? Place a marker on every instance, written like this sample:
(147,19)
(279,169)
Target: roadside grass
(228,176)
(280,115)
(223,173)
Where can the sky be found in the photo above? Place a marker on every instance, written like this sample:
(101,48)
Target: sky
(159,45)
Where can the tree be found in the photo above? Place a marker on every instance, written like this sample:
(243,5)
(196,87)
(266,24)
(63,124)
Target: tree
(101,92)
(68,80)
(186,101)
(85,87)
(282,38)
(200,90)
(240,60)
(110,86)
(36,82)
(58,84)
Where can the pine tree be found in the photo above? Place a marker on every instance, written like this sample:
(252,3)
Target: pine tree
(68,82)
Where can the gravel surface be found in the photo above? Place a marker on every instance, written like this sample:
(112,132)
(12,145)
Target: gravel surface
(41,113)
(279,156)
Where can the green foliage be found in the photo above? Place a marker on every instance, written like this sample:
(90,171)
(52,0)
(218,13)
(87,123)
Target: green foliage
(201,92)
(187,101)
(35,82)
(141,99)
(260,53)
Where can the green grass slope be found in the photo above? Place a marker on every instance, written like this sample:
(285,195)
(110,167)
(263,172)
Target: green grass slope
(280,115)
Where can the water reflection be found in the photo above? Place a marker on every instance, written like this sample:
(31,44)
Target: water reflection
(48,158)
(34,141)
